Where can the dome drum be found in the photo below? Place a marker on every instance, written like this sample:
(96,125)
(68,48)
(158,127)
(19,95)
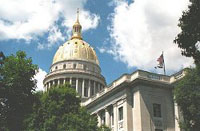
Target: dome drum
(85,85)
(75,65)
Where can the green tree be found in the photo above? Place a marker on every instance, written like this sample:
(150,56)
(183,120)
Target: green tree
(104,128)
(187,96)
(16,86)
(189,39)
(187,90)
(59,110)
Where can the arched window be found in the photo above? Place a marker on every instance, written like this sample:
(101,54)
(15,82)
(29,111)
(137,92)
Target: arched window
(56,67)
(84,67)
(74,66)
(64,66)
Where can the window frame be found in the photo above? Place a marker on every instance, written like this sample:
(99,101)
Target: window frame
(157,111)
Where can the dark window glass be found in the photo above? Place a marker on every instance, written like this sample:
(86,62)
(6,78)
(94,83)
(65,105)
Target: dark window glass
(64,66)
(156,110)
(74,66)
(120,113)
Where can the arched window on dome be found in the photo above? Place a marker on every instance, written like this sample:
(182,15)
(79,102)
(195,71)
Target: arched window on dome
(74,66)
(64,66)
(56,68)
(84,67)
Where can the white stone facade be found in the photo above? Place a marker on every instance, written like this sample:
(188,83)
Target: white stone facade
(137,94)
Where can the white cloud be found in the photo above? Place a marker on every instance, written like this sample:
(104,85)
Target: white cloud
(40,77)
(21,19)
(55,36)
(140,31)
(86,19)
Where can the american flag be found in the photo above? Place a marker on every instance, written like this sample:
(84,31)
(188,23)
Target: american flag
(160,61)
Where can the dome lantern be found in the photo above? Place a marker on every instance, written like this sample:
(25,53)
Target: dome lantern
(76,32)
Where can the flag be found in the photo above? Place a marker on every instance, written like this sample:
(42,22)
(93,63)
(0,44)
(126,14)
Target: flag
(160,61)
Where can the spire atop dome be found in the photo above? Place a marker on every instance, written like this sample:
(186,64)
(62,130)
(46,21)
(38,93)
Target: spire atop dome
(76,33)
(77,15)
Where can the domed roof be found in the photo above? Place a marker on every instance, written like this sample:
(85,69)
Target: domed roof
(75,49)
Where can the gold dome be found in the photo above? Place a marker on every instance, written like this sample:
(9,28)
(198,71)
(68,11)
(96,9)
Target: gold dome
(75,49)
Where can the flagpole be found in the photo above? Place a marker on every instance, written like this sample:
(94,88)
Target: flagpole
(163,63)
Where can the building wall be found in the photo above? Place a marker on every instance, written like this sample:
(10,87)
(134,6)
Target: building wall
(144,98)
(137,102)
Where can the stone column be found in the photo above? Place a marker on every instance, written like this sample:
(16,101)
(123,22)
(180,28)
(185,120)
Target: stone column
(115,117)
(125,113)
(49,85)
(89,88)
(53,82)
(99,87)
(64,81)
(99,119)
(58,81)
(83,88)
(107,115)
(70,81)
(128,103)
(77,85)
(46,86)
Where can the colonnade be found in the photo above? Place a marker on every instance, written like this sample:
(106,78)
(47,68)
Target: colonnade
(111,116)
(85,87)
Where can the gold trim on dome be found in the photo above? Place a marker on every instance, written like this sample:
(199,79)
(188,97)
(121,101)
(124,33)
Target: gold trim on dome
(75,49)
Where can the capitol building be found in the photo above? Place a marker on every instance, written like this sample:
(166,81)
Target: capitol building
(140,101)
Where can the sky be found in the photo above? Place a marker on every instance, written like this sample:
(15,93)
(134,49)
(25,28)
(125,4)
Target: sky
(126,35)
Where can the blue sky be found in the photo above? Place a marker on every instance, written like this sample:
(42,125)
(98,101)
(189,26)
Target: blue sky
(127,35)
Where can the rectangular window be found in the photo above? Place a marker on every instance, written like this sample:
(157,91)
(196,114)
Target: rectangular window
(112,116)
(157,110)
(120,113)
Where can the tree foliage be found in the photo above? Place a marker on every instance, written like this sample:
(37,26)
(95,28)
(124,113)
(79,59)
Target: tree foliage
(187,96)
(59,110)
(16,86)
(189,39)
